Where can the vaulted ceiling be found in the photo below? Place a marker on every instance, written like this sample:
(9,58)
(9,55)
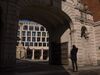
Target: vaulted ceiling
(43,12)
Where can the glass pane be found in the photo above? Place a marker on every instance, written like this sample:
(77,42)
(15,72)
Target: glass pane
(25,27)
(23,39)
(43,39)
(38,33)
(31,43)
(44,44)
(23,33)
(40,44)
(28,33)
(43,33)
(26,43)
(42,29)
(33,39)
(30,27)
(28,38)
(37,28)
(38,39)
(35,44)
(33,33)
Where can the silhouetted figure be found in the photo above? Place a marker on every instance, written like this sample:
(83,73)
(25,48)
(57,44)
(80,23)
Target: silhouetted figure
(29,53)
(74,51)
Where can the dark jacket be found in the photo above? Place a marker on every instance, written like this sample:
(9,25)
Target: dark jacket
(74,53)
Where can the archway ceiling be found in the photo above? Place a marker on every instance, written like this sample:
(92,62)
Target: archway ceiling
(53,19)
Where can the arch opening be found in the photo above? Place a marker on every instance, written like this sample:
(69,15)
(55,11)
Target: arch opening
(55,21)
(32,42)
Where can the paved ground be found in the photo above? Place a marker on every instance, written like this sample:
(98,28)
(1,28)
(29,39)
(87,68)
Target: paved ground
(30,68)
(87,70)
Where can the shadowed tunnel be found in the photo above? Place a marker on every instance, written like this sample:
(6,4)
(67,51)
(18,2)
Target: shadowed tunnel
(55,21)
(48,14)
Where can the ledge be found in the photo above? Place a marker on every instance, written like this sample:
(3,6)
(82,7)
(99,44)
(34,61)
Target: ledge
(97,23)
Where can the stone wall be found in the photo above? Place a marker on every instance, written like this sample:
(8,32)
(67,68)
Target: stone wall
(9,16)
(10,13)
(8,33)
(97,39)
(87,52)
(47,3)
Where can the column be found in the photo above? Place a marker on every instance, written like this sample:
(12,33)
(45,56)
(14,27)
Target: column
(33,55)
(8,35)
(41,54)
(20,34)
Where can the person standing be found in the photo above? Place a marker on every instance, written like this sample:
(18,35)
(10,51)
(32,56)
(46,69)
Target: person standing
(74,51)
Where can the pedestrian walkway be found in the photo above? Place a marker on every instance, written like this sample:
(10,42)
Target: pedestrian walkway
(39,68)
(25,67)
(86,70)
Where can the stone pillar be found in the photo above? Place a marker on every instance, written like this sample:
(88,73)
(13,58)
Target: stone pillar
(33,55)
(54,48)
(20,34)
(97,40)
(41,54)
(8,34)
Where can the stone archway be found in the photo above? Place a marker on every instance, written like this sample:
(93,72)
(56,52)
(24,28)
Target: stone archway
(55,20)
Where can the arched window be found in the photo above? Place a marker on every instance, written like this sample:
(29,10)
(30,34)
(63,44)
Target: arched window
(42,28)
